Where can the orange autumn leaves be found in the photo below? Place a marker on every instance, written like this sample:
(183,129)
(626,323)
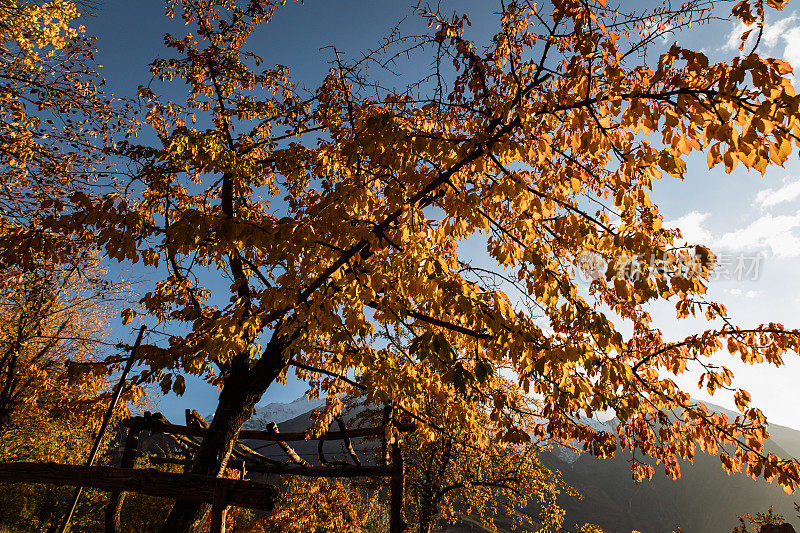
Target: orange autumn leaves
(330,228)
(54,122)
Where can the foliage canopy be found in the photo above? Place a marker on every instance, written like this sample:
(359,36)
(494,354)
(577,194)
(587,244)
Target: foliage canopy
(338,219)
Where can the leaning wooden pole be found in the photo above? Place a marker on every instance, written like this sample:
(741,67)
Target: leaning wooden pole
(106,419)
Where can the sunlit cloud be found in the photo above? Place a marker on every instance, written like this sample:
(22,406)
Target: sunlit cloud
(792,51)
(773,32)
(776,32)
(778,234)
(691,226)
(772,197)
(746,294)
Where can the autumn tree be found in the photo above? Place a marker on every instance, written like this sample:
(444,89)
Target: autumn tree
(55,121)
(53,389)
(288,229)
(451,474)
(448,478)
(757,521)
(55,297)
(53,326)
(496,483)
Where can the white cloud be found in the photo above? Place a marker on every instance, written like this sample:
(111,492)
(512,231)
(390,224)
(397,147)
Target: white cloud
(774,30)
(776,233)
(691,226)
(772,33)
(786,30)
(740,292)
(733,40)
(787,193)
(791,54)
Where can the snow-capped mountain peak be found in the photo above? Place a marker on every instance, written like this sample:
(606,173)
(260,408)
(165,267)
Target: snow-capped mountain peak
(281,412)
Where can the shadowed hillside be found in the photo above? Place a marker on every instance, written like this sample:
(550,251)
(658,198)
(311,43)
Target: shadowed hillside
(705,499)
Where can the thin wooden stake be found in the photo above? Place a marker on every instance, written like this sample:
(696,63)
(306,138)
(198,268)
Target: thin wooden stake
(99,439)
(397,522)
(219,510)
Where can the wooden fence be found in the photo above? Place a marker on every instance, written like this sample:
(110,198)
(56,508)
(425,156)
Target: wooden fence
(219,492)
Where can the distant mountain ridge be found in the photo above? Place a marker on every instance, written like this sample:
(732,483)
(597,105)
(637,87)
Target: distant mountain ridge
(704,500)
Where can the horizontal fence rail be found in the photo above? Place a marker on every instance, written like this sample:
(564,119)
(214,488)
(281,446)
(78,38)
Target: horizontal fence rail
(303,471)
(249,494)
(266,435)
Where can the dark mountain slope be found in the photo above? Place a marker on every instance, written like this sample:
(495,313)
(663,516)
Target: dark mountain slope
(704,500)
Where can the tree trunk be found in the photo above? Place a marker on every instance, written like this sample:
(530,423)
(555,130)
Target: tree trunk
(426,510)
(116,499)
(432,491)
(243,388)
(5,419)
(425,516)
(7,394)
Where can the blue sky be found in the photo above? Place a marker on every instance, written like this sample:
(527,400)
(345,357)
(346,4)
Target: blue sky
(741,214)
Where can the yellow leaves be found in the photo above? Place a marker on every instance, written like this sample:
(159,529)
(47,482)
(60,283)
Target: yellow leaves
(36,27)
(672,164)
(733,346)
(742,399)
(127,315)
(205,151)
(321,504)
(621,287)
(516,436)
(432,345)
(777,4)
(687,145)
(705,257)
(541,151)
(779,152)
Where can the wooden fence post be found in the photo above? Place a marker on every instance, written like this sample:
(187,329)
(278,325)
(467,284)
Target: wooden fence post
(397,523)
(219,509)
(387,418)
(116,499)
